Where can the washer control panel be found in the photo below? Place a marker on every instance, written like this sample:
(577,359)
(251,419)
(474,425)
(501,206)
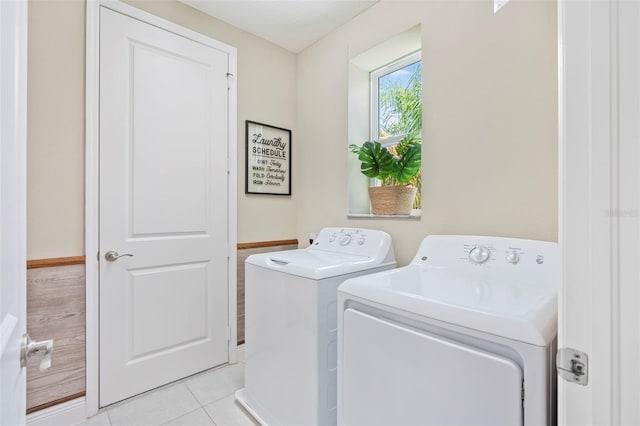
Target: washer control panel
(357,241)
(347,237)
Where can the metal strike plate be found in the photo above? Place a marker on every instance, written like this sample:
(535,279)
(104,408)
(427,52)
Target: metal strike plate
(573,366)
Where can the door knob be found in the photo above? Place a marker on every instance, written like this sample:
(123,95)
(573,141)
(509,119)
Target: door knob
(29,347)
(112,256)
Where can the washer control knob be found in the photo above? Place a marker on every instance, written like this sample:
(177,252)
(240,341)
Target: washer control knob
(345,240)
(479,254)
(513,257)
(332,238)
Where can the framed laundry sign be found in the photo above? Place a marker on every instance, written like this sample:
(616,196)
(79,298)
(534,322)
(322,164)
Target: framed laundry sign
(268,159)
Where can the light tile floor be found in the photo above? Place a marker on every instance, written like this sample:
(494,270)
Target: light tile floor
(205,399)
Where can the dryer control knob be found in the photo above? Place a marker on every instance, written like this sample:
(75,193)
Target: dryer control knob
(513,257)
(479,254)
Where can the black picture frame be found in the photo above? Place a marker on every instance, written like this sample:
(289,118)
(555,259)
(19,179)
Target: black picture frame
(267,159)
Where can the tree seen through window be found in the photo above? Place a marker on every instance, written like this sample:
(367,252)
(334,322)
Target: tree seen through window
(399,112)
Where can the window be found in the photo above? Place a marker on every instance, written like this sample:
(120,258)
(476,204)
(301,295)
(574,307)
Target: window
(396,107)
(396,99)
(385,106)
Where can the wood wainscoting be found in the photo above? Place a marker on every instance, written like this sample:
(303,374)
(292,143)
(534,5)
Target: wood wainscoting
(56,310)
(245,250)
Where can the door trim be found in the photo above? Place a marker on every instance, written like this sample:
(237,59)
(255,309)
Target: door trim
(92,197)
(66,413)
(593,215)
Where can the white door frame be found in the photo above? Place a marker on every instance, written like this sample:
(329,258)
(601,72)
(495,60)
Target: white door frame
(598,220)
(585,142)
(92,180)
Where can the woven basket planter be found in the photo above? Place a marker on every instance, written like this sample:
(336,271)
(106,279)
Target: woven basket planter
(392,200)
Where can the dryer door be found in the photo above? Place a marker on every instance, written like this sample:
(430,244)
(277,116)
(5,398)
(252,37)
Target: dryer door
(392,375)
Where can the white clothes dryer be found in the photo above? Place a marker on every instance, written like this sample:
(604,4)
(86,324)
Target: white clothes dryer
(291,323)
(464,335)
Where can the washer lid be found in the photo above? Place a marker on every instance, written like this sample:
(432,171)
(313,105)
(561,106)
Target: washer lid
(517,308)
(314,264)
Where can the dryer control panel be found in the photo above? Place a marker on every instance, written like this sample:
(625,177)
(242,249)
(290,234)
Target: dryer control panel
(496,253)
(355,241)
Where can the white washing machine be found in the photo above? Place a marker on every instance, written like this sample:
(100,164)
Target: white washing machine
(464,335)
(291,324)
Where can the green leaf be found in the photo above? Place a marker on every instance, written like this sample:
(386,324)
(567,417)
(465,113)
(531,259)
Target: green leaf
(409,164)
(354,148)
(412,139)
(377,162)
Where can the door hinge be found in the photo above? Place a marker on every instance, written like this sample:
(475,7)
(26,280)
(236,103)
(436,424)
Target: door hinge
(228,334)
(573,365)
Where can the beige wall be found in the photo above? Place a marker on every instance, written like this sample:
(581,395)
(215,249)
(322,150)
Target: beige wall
(55,129)
(490,120)
(266,93)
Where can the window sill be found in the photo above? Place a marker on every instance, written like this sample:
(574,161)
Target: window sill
(415,215)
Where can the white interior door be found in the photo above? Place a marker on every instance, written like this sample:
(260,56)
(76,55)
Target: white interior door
(163,207)
(13,77)
(599,311)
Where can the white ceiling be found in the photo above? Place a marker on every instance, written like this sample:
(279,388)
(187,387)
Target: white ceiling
(291,24)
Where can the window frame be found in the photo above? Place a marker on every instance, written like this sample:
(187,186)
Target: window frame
(374,76)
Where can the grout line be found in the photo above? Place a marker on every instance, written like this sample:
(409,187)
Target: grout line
(193,394)
(209,415)
(182,381)
(182,415)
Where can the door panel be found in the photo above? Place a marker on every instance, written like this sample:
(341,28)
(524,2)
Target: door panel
(153,294)
(163,200)
(392,375)
(170,199)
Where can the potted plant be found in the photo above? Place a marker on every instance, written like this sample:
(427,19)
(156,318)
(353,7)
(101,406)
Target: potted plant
(396,169)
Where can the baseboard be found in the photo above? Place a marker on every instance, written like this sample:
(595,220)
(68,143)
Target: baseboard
(65,414)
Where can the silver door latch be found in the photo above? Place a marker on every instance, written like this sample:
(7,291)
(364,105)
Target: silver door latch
(29,347)
(112,256)
(573,366)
